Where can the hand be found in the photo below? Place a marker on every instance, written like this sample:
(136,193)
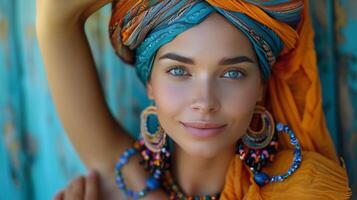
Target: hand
(66,11)
(88,188)
(81,188)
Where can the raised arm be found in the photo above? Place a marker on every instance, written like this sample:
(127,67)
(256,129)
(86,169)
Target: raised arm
(76,90)
(75,86)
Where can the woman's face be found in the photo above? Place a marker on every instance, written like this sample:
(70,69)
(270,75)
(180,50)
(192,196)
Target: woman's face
(206,83)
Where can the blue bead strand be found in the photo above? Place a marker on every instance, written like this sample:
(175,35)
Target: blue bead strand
(262,178)
(297,154)
(152,183)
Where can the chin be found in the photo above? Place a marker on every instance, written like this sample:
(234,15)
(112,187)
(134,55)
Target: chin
(201,149)
(206,148)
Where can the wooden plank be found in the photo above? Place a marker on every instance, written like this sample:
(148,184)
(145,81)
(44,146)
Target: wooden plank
(346,28)
(323,21)
(52,160)
(13,160)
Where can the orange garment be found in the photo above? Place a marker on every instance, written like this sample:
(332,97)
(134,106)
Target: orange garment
(294,93)
(317,178)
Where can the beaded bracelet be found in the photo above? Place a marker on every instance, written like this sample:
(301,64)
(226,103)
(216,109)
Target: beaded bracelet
(152,183)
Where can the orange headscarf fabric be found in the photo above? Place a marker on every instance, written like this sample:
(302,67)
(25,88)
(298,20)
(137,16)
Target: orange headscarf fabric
(294,85)
(295,98)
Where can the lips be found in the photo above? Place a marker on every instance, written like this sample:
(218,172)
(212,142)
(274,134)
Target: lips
(203,129)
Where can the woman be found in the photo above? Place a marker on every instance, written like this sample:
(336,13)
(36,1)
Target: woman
(215,70)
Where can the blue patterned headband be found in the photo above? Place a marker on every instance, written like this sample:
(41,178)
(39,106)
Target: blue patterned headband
(175,20)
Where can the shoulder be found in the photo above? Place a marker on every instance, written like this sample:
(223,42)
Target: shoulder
(317,178)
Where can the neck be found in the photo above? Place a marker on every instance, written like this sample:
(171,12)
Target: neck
(198,175)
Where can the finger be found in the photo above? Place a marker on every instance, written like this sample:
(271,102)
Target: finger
(59,195)
(91,187)
(75,191)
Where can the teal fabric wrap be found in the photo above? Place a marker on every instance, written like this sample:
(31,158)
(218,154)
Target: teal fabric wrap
(185,15)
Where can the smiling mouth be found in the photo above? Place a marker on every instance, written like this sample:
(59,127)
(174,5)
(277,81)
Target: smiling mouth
(203,129)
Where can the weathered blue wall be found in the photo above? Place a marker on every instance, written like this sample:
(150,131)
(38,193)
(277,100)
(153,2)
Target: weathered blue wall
(36,158)
(346,53)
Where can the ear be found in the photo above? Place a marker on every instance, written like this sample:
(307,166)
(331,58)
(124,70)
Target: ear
(149,90)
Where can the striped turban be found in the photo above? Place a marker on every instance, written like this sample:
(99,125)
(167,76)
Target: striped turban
(139,28)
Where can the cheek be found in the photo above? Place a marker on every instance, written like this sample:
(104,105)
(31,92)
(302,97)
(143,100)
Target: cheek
(238,105)
(239,99)
(169,100)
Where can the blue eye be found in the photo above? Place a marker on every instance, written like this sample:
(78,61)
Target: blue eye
(233,74)
(178,71)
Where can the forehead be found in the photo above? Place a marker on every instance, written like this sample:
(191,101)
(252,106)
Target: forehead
(215,35)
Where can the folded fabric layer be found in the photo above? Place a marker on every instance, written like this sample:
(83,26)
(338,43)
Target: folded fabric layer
(318,178)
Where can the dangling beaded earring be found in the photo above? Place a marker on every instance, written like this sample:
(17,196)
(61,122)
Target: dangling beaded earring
(152,133)
(258,139)
(257,148)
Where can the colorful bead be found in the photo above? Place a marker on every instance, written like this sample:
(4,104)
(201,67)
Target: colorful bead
(176,193)
(152,183)
(158,164)
(256,159)
(297,154)
(261,178)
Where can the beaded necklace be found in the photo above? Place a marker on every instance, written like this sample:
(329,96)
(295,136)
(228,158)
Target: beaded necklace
(173,189)
(158,164)
(163,160)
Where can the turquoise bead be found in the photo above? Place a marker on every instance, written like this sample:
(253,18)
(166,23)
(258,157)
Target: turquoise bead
(280,127)
(261,178)
(152,124)
(152,183)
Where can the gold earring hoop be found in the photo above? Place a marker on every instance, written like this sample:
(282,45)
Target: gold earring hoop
(258,139)
(152,133)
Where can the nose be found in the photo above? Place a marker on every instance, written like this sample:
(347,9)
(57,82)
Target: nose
(205,98)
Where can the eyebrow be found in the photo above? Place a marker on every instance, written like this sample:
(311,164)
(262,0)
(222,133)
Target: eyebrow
(235,60)
(176,57)
(224,61)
